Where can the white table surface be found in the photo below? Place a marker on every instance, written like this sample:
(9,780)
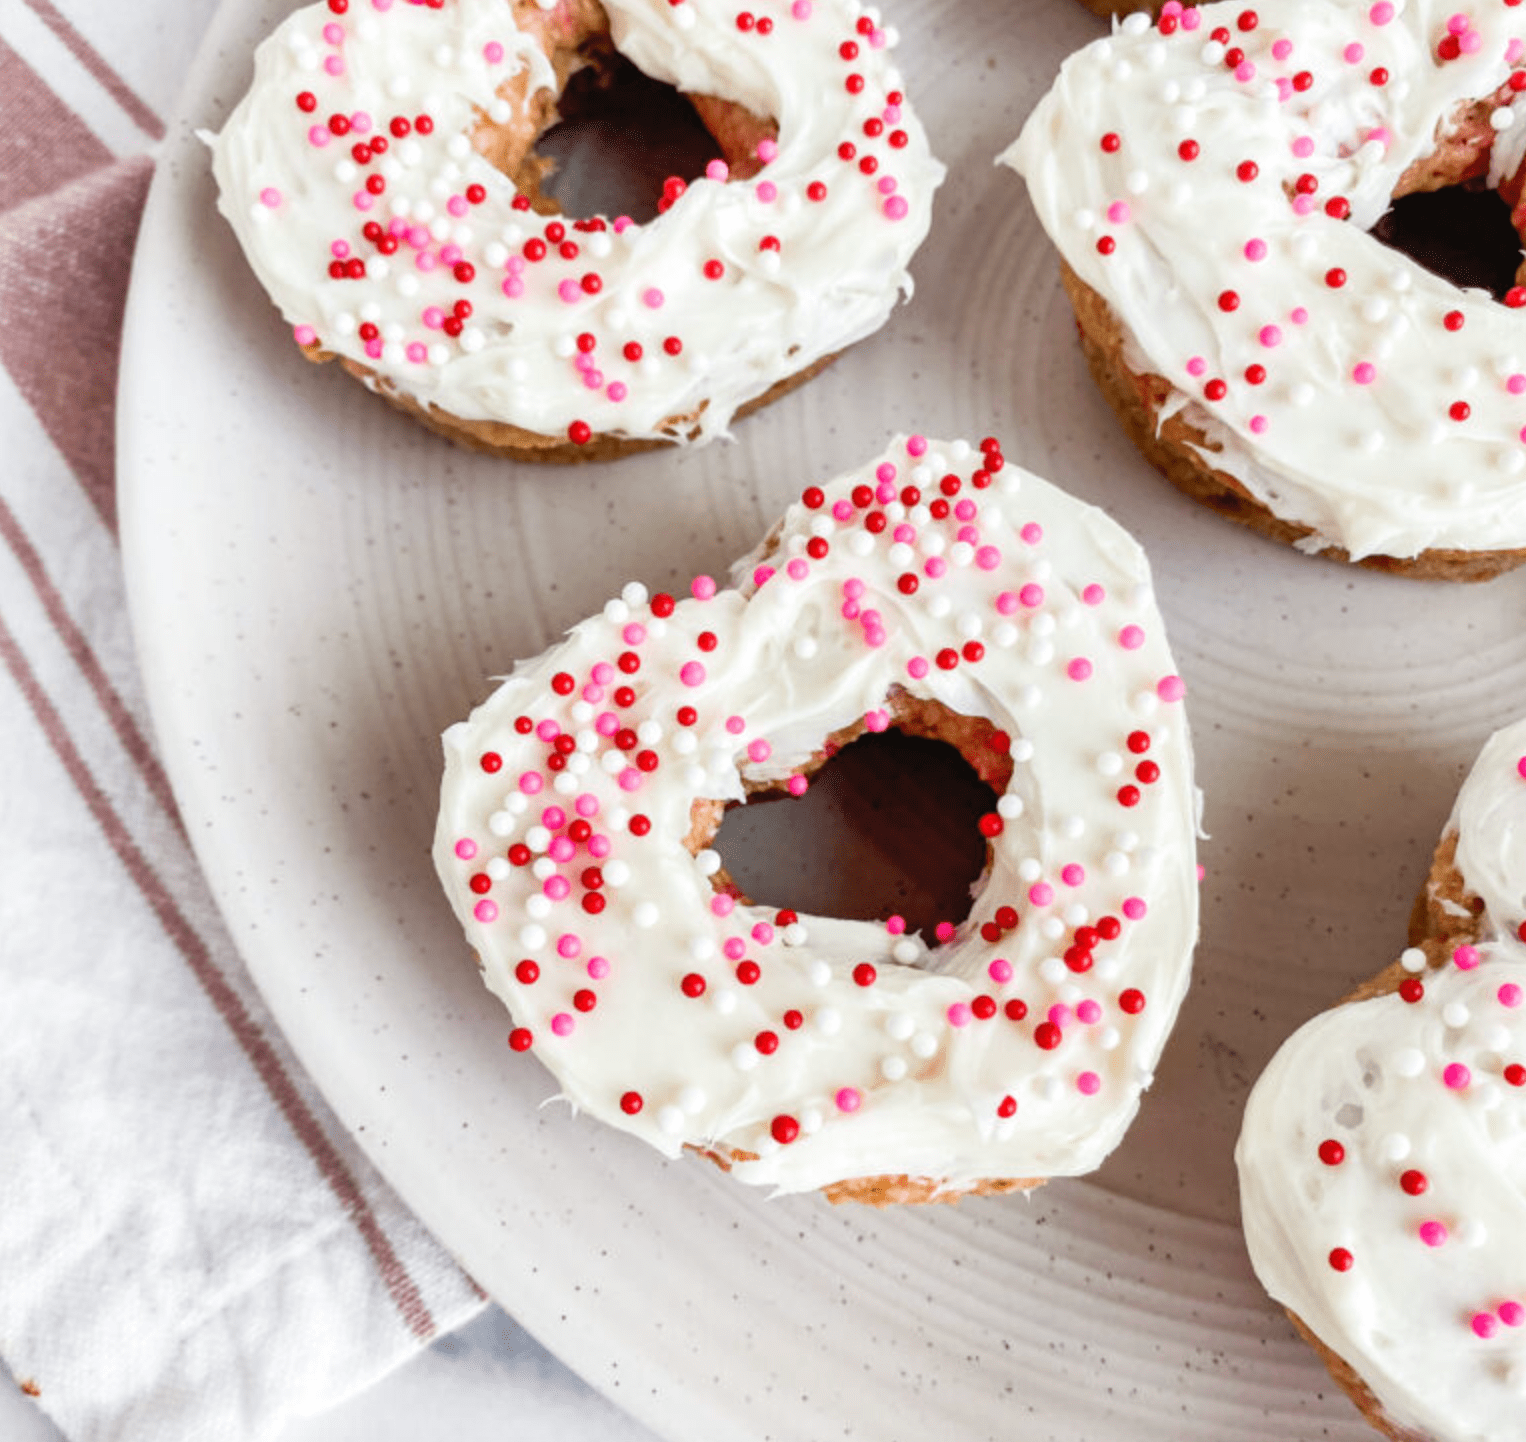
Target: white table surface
(490,1380)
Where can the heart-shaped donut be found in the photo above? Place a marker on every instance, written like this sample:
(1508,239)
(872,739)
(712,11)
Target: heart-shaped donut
(1210,179)
(937,589)
(381,177)
(1383,1155)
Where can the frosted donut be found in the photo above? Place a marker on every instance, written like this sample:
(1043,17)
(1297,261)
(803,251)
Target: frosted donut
(1210,180)
(381,177)
(937,589)
(1381,1178)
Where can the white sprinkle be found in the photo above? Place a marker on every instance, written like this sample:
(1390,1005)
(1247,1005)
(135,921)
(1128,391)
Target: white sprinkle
(1053,970)
(1301,394)
(1029,869)
(905,951)
(670,1120)
(744,1056)
(795,934)
(498,868)
(1115,863)
(1472,1233)
(532,937)
(900,1025)
(538,906)
(805,647)
(1110,763)
(924,1045)
(708,862)
(829,1021)
(1409,1062)
(500,823)
(725,1000)
(1412,959)
(1108,1038)
(645,915)
(1072,828)
(1009,807)
(692,1099)
(821,972)
(701,947)
(537,838)
(893,1068)
(1022,750)
(1455,1014)
(685,743)
(1503,118)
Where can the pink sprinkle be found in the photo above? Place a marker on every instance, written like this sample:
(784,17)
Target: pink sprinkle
(1191,18)
(531,782)
(621,224)
(895,207)
(587,805)
(548,730)
(1512,1314)
(1303,147)
(1131,638)
(1509,995)
(1516,384)
(1088,1083)
(1258,425)
(1041,893)
(1281,49)
(1196,366)
(851,610)
(568,945)
(340,249)
(797,785)
(1059,1015)
(763,933)
(767,192)
(374,349)
(801,9)
(735,725)
(418,353)
(966,510)
(702,588)
(842,510)
(1271,335)
(1380,135)
(722,905)
(598,967)
(492,52)
(1000,971)
(903,534)
(916,445)
(553,818)
(1171,688)
(433,317)
(458,207)
(848,1099)
(916,668)
(1381,13)
(606,723)
(1457,24)
(570,291)
(877,721)
(944,931)
(593,694)
(360,122)
(717,170)
(652,298)
(1088,1012)
(885,473)
(1303,204)
(935,566)
(1433,1234)
(1080,669)
(895,925)
(1032,595)
(1353,53)
(1285,94)
(762,574)
(1134,908)
(798,569)
(557,887)
(735,948)
(486,910)
(270,196)
(513,287)
(561,849)
(1006,603)
(333,65)
(1072,875)
(853,588)
(1472,43)
(691,673)
(1514,50)
(334,34)
(304,335)
(884,493)
(987,558)
(1118,212)
(629,779)
(1032,533)
(768,150)
(466,848)
(603,673)
(1457,1076)
(1245,71)
(633,635)
(562,1024)
(1465,958)
(1093,594)
(759,750)
(1485,1324)
(1255,250)
(318,136)
(959,1014)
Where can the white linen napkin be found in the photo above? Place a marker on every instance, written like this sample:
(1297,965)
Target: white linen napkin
(190,1247)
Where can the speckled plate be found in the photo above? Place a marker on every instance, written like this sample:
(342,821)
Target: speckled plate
(319,588)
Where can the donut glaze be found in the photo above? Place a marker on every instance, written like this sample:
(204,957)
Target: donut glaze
(805,1051)
(1213,177)
(465,304)
(1383,1155)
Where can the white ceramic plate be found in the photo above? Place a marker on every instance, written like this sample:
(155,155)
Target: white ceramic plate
(319,588)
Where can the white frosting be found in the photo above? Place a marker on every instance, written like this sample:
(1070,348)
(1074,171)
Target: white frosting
(801,277)
(1372,460)
(1373,1076)
(1075,661)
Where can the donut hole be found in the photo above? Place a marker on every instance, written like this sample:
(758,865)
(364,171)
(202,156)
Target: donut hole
(621,135)
(1461,233)
(889,826)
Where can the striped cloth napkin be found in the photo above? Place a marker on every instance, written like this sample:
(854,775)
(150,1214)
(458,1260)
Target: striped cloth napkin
(190,1246)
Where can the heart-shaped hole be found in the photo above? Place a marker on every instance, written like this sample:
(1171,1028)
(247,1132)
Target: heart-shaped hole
(1449,217)
(889,826)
